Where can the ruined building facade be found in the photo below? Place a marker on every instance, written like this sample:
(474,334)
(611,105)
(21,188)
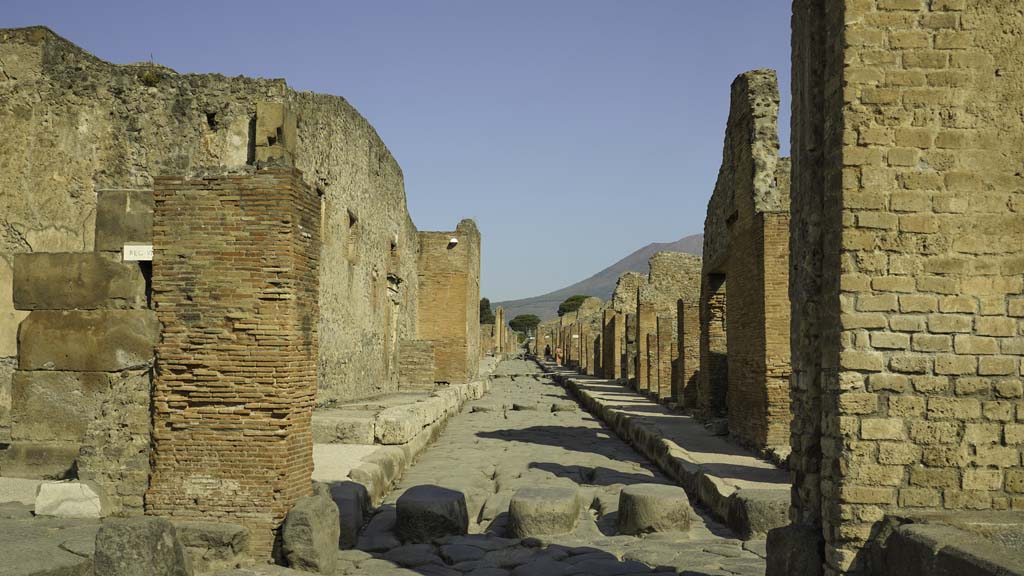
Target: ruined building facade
(744,302)
(286,272)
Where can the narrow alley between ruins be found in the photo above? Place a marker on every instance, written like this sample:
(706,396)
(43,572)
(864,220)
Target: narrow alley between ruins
(529,433)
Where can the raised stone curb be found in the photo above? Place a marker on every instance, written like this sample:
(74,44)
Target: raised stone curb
(721,497)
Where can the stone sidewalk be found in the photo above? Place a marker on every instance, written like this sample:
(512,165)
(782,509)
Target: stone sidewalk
(742,490)
(528,432)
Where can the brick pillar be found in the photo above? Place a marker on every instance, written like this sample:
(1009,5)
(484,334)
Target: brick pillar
(235,281)
(646,323)
(631,352)
(650,362)
(666,325)
(611,340)
(449,284)
(688,319)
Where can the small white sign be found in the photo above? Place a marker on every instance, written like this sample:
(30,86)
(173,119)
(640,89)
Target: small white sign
(138,252)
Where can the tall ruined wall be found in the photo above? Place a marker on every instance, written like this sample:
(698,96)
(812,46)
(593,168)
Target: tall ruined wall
(74,125)
(907,228)
(449,307)
(745,300)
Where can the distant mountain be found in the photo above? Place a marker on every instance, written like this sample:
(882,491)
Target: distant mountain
(601,284)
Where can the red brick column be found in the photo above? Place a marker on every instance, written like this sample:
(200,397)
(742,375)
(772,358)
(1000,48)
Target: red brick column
(235,280)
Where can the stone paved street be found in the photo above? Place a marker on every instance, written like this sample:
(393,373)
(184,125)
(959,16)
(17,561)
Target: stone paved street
(528,432)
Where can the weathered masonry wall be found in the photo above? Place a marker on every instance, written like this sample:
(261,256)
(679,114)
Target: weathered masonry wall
(81,397)
(75,126)
(745,282)
(449,307)
(235,273)
(907,228)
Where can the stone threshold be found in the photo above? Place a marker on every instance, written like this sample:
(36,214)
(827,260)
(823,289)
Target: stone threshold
(746,493)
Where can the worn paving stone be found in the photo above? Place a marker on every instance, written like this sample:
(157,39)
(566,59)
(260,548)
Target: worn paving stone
(490,452)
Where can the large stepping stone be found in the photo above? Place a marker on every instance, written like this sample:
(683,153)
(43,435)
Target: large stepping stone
(427,512)
(544,510)
(309,535)
(647,508)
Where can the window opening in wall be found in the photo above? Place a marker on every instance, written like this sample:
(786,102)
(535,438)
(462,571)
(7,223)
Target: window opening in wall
(211,120)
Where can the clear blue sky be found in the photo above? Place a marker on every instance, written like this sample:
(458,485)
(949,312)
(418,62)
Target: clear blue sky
(573,131)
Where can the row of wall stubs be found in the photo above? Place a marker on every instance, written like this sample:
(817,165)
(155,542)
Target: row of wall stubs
(235,260)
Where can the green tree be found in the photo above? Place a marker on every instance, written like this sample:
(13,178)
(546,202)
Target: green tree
(524,323)
(571,304)
(486,315)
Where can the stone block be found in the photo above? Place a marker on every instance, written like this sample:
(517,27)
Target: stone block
(212,547)
(331,428)
(427,512)
(55,405)
(83,281)
(45,460)
(87,340)
(756,512)
(793,550)
(544,510)
(145,545)
(647,508)
(70,500)
(123,216)
(309,535)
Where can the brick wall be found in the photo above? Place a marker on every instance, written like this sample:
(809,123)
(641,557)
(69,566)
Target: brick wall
(745,301)
(688,363)
(666,327)
(907,227)
(416,365)
(611,340)
(235,273)
(449,306)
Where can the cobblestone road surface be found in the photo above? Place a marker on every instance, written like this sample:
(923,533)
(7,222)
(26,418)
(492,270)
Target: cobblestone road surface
(528,432)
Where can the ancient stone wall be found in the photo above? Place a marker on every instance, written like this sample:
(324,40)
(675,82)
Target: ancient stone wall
(673,275)
(906,234)
(76,126)
(81,396)
(624,295)
(449,306)
(745,303)
(235,272)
